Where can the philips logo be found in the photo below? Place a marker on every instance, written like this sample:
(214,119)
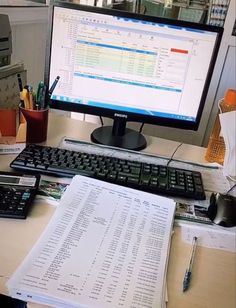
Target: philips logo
(120,115)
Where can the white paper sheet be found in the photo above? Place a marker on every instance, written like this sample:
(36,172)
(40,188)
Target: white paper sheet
(211,237)
(106,246)
(228,128)
(11,148)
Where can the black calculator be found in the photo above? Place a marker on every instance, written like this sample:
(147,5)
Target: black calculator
(17,192)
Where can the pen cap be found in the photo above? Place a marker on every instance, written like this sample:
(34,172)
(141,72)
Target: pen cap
(37,124)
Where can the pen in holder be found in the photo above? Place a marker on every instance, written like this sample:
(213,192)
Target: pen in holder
(36,124)
(33,109)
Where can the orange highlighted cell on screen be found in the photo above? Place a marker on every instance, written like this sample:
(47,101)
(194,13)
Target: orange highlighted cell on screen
(179,50)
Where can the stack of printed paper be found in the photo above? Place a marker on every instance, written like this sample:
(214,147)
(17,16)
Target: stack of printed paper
(106,246)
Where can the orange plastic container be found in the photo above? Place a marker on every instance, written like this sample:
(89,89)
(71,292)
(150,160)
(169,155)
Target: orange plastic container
(216,145)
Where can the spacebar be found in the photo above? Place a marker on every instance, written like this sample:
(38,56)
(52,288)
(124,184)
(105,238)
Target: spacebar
(70,172)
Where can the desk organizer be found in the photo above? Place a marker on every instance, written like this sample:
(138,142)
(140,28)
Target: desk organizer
(34,124)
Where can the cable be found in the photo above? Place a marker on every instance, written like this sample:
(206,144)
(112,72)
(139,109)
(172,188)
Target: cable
(230,189)
(219,102)
(101,120)
(231,178)
(141,127)
(171,158)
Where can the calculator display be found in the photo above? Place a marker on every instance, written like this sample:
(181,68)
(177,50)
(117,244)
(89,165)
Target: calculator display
(9,180)
(17,180)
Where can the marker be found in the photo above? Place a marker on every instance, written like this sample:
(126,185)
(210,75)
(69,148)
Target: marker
(30,96)
(25,98)
(53,86)
(20,88)
(40,96)
(20,82)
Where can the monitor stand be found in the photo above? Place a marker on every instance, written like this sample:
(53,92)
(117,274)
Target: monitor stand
(119,136)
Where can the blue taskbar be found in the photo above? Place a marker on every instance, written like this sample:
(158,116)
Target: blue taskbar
(122,108)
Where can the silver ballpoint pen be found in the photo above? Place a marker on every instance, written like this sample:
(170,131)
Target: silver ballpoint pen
(188,273)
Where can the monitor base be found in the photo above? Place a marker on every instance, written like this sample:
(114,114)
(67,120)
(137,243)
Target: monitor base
(130,140)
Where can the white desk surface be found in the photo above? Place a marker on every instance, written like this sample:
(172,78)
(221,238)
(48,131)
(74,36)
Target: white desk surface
(214,273)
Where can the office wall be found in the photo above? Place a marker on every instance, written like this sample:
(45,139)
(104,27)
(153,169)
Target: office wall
(29,31)
(29,43)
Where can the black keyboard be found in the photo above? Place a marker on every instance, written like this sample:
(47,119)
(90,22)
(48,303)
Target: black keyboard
(152,178)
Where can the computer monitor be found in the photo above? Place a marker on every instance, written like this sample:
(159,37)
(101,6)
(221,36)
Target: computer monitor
(129,67)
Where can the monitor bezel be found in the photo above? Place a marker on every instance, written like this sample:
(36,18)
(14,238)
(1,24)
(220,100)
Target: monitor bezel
(131,116)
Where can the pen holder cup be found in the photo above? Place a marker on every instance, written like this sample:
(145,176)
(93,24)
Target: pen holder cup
(36,124)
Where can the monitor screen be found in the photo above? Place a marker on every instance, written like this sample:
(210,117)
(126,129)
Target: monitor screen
(129,67)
